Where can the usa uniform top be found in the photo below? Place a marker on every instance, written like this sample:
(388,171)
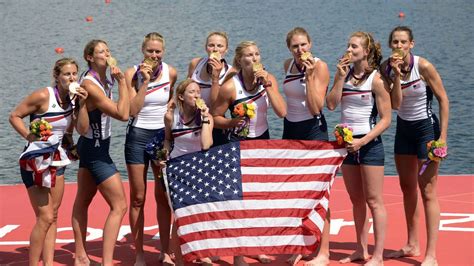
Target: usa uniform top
(206,85)
(294,87)
(417,95)
(258,125)
(151,116)
(60,119)
(99,123)
(358,107)
(186,136)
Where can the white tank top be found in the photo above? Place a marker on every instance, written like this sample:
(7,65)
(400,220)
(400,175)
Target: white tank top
(187,138)
(417,96)
(294,87)
(99,123)
(151,116)
(206,85)
(258,125)
(358,108)
(60,119)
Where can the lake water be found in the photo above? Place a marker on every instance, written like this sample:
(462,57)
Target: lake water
(32,29)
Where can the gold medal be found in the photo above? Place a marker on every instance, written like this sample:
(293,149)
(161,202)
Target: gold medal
(215,55)
(73,86)
(111,61)
(200,104)
(305,56)
(398,53)
(347,55)
(150,62)
(257,67)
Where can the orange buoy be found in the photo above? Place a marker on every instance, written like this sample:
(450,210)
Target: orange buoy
(401,15)
(89,18)
(108,1)
(59,50)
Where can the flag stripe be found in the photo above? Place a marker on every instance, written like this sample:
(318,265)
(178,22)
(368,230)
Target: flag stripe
(309,194)
(284,170)
(285,186)
(282,145)
(284,162)
(286,178)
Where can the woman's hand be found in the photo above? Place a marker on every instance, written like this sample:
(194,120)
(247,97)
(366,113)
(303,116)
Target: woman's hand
(310,66)
(217,67)
(31,137)
(82,94)
(205,112)
(117,73)
(262,76)
(343,67)
(145,71)
(355,145)
(396,64)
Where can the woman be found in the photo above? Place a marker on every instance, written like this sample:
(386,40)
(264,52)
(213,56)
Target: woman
(305,86)
(414,81)
(150,89)
(210,72)
(187,129)
(363,94)
(252,86)
(97,171)
(54,105)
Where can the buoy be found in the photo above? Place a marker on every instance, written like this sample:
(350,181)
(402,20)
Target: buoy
(59,50)
(401,15)
(89,18)
(108,1)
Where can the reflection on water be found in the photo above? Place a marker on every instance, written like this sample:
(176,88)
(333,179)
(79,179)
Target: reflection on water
(33,29)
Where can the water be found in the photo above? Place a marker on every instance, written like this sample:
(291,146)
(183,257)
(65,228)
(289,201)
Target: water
(32,29)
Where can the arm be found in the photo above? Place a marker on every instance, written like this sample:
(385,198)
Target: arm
(206,130)
(97,99)
(334,96)
(432,77)
(382,99)
(395,87)
(34,103)
(173,78)
(82,117)
(276,100)
(168,136)
(317,81)
(137,97)
(192,66)
(224,99)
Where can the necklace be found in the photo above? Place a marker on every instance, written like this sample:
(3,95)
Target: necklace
(241,78)
(357,80)
(58,97)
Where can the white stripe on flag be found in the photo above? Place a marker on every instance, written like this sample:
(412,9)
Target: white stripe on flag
(285,186)
(290,154)
(316,219)
(299,170)
(247,241)
(233,205)
(241,224)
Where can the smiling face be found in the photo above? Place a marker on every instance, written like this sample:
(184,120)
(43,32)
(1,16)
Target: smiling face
(154,50)
(401,40)
(299,44)
(67,74)
(356,47)
(216,43)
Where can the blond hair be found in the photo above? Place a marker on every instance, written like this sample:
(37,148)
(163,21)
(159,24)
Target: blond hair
(218,33)
(181,89)
(153,36)
(296,31)
(375,50)
(239,50)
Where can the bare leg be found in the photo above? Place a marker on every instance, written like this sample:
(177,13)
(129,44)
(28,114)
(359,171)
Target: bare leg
(428,184)
(114,194)
(137,177)
(372,179)
(407,168)
(163,215)
(240,261)
(57,193)
(323,255)
(353,181)
(86,190)
(42,203)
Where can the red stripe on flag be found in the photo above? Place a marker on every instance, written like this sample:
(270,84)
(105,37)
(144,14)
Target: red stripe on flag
(290,145)
(305,250)
(288,162)
(283,195)
(286,178)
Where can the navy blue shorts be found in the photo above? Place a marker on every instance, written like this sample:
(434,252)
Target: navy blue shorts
(411,136)
(28,179)
(95,157)
(234,138)
(219,137)
(371,153)
(135,143)
(311,129)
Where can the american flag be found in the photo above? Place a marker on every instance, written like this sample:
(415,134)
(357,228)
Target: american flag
(252,197)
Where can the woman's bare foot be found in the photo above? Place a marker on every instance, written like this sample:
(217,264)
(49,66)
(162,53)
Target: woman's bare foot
(406,251)
(204,261)
(374,262)
(355,257)
(429,261)
(320,260)
(140,260)
(166,259)
(295,258)
(239,261)
(82,261)
(262,258)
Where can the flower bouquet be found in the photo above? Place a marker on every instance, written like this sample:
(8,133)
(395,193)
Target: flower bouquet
(343,133)
(247,111)
(437,151)
(41,129)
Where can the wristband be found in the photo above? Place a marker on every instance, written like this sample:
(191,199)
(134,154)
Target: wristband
(205,122)
(268,84)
